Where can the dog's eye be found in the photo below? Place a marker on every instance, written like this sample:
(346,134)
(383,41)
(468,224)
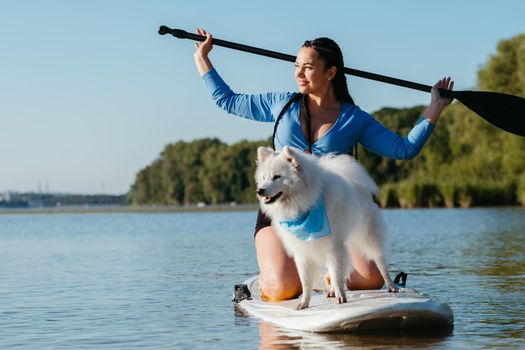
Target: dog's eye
(275,177)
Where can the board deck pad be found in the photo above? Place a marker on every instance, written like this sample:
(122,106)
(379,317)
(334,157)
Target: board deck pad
(364,310)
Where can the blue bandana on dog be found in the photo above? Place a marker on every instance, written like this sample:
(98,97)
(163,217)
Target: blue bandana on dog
(310,225)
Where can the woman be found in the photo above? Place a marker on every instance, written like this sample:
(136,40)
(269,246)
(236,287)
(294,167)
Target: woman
(322,119)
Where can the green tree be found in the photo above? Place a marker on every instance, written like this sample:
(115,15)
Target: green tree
(505,71)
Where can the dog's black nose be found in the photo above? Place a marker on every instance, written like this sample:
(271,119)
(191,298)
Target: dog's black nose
(260,191)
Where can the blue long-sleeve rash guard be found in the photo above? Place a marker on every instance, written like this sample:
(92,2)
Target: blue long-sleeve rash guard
(352,125)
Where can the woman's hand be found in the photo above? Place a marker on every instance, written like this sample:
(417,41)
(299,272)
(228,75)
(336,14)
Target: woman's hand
(436,98)
(438,102)
(202,50)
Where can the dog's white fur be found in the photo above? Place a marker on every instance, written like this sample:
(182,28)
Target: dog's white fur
(354,218)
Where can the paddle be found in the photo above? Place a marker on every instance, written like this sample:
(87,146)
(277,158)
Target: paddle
(507,112)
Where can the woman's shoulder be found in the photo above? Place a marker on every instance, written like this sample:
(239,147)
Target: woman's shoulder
(351,110)
(280,99)
(355,116)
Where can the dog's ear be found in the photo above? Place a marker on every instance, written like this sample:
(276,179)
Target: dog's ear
(291,156)
(263,153)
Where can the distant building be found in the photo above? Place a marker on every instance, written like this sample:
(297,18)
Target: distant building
(35,202)
(5,197)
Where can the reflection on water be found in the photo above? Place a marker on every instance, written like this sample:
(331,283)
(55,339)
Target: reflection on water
(277,338)
(501,255)
(495,260)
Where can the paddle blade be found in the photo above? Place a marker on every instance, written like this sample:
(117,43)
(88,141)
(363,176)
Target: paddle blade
(507,112)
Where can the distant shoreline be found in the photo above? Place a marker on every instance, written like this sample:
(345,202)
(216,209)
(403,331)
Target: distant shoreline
(93,209)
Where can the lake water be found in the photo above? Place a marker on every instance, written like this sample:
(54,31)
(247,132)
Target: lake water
(166,280)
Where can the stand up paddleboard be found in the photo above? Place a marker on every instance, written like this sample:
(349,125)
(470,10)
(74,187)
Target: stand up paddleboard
(364,310)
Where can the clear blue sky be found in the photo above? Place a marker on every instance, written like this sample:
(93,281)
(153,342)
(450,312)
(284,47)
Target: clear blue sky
(90,93)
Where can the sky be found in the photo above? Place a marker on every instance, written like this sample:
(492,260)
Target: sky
(90,94)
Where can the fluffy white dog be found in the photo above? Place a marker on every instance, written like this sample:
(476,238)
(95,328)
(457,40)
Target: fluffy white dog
(318,207)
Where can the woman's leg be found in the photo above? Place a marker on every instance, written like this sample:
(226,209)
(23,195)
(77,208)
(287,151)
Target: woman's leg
(278,277)
(365,274)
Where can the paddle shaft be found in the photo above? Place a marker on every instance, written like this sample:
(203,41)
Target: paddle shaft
(181,34)
(502,110)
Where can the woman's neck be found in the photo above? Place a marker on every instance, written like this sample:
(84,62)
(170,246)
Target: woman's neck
(326,100)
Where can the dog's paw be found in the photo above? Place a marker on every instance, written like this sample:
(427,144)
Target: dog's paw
(341,299)
(330,293)
(300,306)
(392,288)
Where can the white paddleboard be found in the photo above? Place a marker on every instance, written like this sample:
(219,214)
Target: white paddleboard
(364,310)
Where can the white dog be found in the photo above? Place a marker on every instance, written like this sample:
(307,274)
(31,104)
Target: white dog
(318,207)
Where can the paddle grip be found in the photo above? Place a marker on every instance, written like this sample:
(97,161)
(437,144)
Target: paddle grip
(181,34)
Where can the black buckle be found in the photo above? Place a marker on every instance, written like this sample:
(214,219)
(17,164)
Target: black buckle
(241,293)
(401,279)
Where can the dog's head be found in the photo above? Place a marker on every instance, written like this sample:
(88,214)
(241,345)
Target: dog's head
(277,175)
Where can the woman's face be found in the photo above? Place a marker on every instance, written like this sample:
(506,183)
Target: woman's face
(310,72)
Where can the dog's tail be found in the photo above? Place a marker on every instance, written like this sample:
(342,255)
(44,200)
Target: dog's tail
(347,167)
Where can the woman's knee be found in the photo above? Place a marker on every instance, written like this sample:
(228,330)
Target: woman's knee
(370,283)
(370,280)
(278,278)
(279,288)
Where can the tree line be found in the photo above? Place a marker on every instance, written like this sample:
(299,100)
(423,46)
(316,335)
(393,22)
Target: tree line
(37,200)
(466,162)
